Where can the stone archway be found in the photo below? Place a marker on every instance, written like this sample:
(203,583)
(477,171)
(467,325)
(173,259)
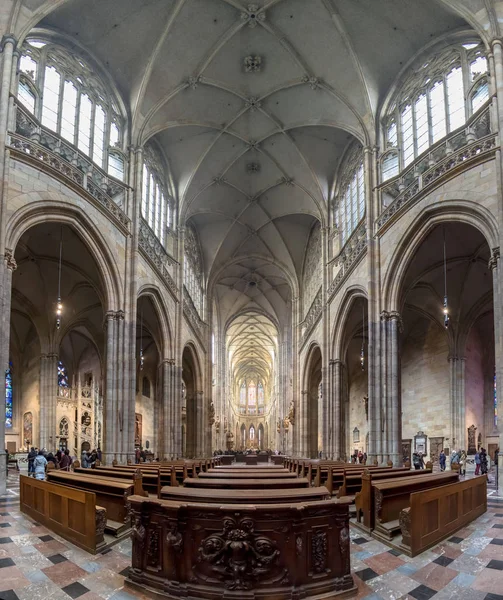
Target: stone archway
(313,403)
(193,400)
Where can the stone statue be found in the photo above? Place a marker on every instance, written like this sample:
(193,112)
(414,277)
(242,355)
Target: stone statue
(217,424)
(291,413)
(472,448)
(211,413)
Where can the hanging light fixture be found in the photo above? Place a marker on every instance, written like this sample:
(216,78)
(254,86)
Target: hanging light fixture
(362,352)
(142,358)
(59,305)
(446,308)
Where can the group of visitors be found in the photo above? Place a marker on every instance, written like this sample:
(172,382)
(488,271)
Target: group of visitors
(88,459)
(359,457)
(459,458)
(418,460)
(39,459)
(481,462)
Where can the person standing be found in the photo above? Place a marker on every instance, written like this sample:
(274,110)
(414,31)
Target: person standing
(31,457)
(483,461)
(462,463)
(477,463)
(416,461)
(441,460)
(40,463)
(65,461)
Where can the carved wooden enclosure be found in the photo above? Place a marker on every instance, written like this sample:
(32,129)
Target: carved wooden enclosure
(200,550)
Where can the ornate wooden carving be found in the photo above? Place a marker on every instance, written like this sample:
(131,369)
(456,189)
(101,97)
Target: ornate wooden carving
(101,521)
(237,557)
(404,521)
(319,552)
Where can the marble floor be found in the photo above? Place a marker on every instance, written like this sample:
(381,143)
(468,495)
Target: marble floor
(36,564)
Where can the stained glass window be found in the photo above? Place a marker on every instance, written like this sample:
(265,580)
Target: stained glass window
(242,398)
(8,397)
(62,375)
(252,432)
(261,400)
(252,399)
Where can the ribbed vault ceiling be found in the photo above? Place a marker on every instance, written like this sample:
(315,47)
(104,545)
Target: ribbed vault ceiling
(253,105)
(252,344)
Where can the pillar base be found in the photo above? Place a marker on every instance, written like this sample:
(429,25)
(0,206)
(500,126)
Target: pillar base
(500,474)
(397,460)
(3,473)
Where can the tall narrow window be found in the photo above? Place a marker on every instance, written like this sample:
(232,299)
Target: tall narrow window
(8,398)
(62,375)
(351,197)
(480,95)
(86,108)
(99,135)
(50,106)
(407,135)
(437,109)
(242,398)
(421,116)
(68,111)
(26,96)
(455,98)
(252,399)
(392,135)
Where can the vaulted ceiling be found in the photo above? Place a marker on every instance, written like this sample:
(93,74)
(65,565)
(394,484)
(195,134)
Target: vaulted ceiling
(253,105)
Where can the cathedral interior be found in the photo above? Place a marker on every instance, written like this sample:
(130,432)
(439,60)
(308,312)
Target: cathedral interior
(237,229)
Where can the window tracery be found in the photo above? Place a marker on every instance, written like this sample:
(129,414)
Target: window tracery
(62,375)
(193,269)
(67,96)
(436,98)
(349,205)
(156,204)
(312,267)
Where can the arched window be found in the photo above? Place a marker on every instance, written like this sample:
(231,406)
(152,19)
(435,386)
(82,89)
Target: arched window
(193,269)
(437,97)
(261,399)
(64,428)
(67,96)
(8,397)
(242,398)
(145,387)
(350,199)
(62,375)
(252,433)
(252,398)
(156,203)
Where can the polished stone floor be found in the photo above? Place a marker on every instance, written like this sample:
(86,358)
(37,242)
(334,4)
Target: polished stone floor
(36,564)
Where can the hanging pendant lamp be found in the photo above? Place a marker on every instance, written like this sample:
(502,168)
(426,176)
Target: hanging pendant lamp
(446,308)
(59,305)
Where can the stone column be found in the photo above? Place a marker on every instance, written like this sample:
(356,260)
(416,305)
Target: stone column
(457,398)
(48,400)
(337,445)
(112,416)
(390,419)
(395,449)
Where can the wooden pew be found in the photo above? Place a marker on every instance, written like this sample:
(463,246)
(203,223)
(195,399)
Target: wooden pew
(260,496)
(242,467)
(437,513)
(248,484)
(136,477)
(262,458)
(352,481)
(111,494)
(150,478)
(335,477)
(364,499)
(264,474)
(392,496)
(226,459)
(251,459)
(277,459)
(71,513)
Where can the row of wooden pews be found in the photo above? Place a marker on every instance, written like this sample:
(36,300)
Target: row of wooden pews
(242,531)
(89,507)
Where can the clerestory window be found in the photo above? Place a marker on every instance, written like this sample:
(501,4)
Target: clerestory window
(349,204)
(156,203)
(436,99)
(193,269)
(66,96)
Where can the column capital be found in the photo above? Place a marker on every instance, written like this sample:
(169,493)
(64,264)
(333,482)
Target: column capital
(335,361)
(8,38)
(168,361)
(10,261)
(493,261)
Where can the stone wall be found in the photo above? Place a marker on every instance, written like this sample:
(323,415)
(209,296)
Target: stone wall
(425,383)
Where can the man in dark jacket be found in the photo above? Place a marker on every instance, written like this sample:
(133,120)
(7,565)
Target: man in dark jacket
(31,458)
